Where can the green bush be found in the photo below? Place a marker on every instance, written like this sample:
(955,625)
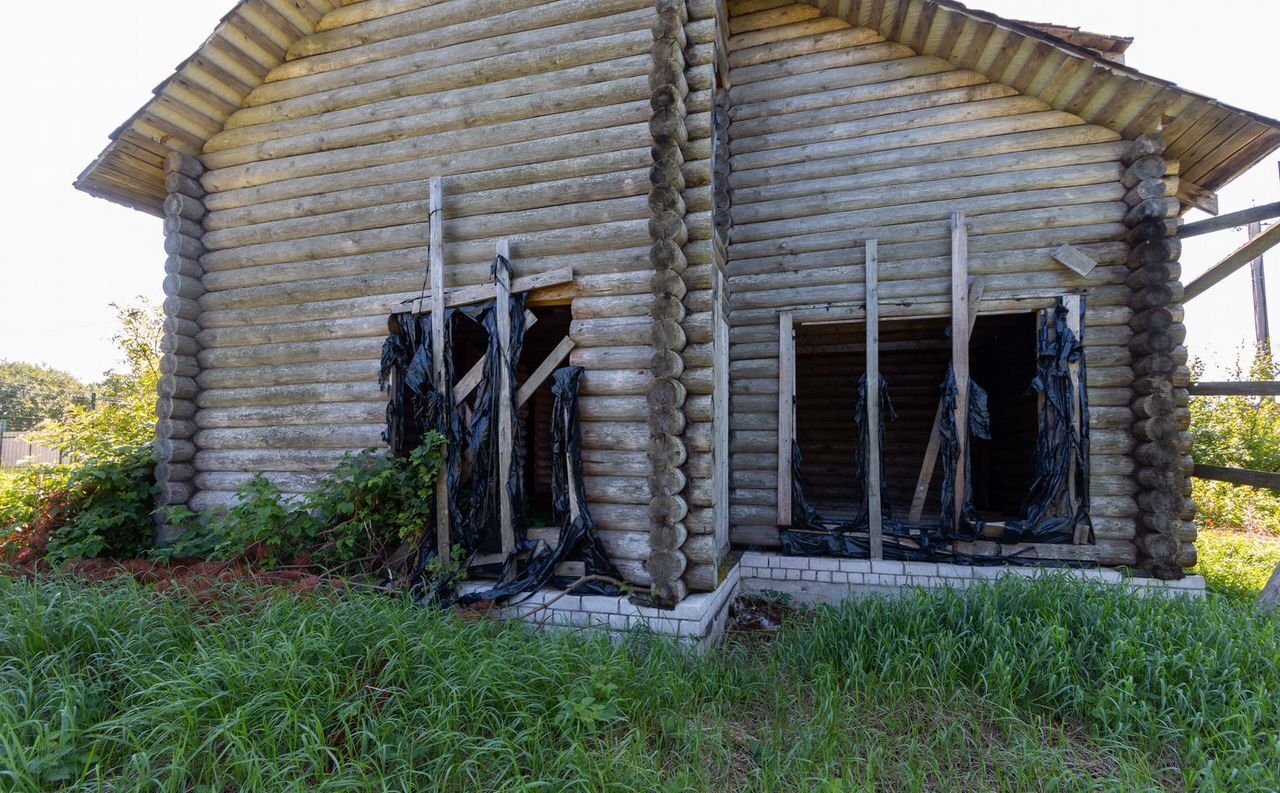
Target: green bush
(1237,432)
(108,509)
(359,512)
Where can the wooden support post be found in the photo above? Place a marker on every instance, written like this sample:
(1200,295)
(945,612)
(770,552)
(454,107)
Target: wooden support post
(506,418)
(1242,256)
(435,268)
(1242,218)
(976,287)
(1075,322)
(960,353)
(874,512)
(786,412)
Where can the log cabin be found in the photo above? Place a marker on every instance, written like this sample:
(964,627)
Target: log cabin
(767,231)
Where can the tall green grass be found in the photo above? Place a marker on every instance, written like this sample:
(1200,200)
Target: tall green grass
(1020,686)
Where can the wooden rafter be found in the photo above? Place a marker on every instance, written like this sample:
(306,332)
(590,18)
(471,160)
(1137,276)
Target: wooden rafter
(1239,258)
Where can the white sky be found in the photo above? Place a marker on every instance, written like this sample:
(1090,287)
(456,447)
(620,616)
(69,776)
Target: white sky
(80,67)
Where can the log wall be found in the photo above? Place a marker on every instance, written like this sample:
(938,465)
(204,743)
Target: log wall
(838,136)
(538,117)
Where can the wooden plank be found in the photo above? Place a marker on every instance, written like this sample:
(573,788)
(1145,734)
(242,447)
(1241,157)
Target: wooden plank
(1238,476)
(1242,218)
(786,412)
(1243,389)
(1074,259)
(468,382)
(976,287)
(544,371)
(435,273)
(1075,319)
(506,417)
(960,352)
(1242,256)
(874,514)
(465,295)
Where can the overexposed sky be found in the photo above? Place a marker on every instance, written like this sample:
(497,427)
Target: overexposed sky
(80,67)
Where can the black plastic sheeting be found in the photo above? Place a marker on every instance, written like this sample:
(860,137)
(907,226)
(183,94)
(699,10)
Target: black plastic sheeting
(1062,447)
(949,453)
(415,407)
(577,533)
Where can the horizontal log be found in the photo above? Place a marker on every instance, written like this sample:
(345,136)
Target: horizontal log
(1238,476)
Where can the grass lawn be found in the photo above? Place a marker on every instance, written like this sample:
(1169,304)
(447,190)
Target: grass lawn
(1236,564)
(1020,686)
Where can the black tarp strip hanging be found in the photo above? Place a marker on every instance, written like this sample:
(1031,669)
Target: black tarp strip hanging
(979,427)
(577,530)
(1062,446)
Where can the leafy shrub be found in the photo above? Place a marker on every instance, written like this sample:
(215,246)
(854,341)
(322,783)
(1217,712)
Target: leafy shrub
(108,509)
(1237,432)
(97,508)
(1236,564)
(361,511)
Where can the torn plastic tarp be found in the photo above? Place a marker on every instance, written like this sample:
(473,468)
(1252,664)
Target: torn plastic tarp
(1062,445)
(415,407)
(979,427)
(577,530)
(1051,514)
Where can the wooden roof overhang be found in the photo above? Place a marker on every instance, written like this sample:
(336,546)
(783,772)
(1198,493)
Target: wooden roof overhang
(193,103)
(1214,141)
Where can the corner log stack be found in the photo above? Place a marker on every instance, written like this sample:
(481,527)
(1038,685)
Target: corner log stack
(179,364)
(667,394)
(1165,531)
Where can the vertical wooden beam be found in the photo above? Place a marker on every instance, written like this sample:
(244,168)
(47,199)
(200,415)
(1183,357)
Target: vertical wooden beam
(720,407)
(1075,321)
(435,268)
(874,512)
(960,352)
(786,412)
(506,420)
(976,287)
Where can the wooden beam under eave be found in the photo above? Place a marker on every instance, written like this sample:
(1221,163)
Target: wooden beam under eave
(1231,220)
(875,514)
(1194,195)
(1242,256)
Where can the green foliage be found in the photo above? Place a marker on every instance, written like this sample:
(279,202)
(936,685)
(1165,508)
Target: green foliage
(263,525)
(362,510)
(373,501)
(23,489)
(1043,685)
(31,393)
(1237,432)
(1236,564)
(123,416)
(108,509)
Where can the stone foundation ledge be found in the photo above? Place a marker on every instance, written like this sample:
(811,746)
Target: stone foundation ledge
(811,579)
(700,619)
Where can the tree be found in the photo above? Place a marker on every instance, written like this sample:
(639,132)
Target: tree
(31,393)
(124,415)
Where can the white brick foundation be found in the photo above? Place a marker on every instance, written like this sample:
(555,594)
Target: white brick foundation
(699,619)
(811,579)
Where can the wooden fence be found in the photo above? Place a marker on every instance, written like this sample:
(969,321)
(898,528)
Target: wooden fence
(16,450)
